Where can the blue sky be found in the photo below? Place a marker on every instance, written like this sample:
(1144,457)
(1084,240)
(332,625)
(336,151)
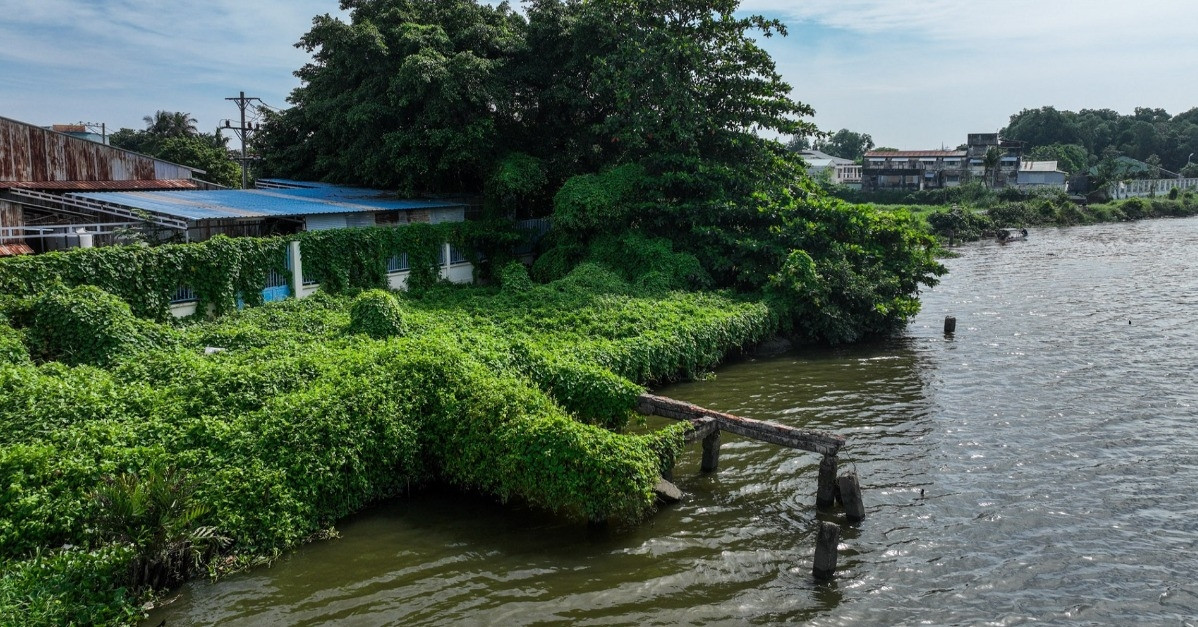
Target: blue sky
(912,74)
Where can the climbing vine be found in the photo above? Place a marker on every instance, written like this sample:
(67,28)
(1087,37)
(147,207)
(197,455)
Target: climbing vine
(218,270)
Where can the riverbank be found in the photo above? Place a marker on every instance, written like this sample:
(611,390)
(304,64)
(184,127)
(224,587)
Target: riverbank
(313,409)
(963,223)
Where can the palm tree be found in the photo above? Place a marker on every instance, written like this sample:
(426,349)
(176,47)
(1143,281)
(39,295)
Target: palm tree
(990,162)
(171,124)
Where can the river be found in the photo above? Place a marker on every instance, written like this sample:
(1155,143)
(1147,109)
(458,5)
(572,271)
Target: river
(1041,464)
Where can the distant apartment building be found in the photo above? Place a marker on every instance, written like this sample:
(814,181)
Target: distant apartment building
(914,170)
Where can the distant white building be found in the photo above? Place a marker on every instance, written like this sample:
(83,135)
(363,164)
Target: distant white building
(1041,175)
(840,171)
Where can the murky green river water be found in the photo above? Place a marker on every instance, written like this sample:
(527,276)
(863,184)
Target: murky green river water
(1054,439)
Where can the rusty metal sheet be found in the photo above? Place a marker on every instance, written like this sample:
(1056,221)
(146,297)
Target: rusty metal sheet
(12,250)
(30,153)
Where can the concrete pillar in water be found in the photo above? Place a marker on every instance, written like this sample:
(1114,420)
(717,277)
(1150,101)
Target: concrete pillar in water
(850,495)
(826,542)
(950,325)
(711,452)
(825,493)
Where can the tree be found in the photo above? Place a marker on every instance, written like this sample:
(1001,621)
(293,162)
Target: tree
(1071,158)
(799,143)
(1042,127)
(203,151)
(170,124)
(846,144)
(990,162)
(199,152)
(409,94)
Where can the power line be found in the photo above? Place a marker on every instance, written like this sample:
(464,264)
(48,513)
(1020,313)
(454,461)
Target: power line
(243,132)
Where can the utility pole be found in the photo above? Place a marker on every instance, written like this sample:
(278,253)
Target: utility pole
(243,131)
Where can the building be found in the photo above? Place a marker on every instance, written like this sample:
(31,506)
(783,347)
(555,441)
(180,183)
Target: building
(839,171)
(912,170)
(281,207)
(1010,154)
(39,166)
(1040,175)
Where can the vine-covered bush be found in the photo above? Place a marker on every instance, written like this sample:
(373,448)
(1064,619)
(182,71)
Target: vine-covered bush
(376,313)
(960,224)
(218,270)
(86,325)
(514,278)
(521,395)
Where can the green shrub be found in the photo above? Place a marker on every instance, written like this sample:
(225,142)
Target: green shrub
(597,203)
(514,278)
(1134,208)
(86,325)
(635,255)
(376,313)
(960,224)
(592,278)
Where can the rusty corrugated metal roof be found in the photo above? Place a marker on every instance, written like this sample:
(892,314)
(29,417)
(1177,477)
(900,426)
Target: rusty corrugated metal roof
(106,186)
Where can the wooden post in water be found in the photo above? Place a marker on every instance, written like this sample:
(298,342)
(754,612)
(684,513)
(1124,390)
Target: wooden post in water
(711,452)
(826,541)
(825,493)
(950,325)
(850,495)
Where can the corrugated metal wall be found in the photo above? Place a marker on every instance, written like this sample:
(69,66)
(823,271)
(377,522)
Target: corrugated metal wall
(32,154)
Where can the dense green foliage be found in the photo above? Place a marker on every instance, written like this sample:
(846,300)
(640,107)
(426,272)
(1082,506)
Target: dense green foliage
(518,393)
(218,270)
(86,325)
(637,124)
(1093,133)
(223,270)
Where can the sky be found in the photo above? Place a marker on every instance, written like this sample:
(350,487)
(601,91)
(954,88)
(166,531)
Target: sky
(914,75)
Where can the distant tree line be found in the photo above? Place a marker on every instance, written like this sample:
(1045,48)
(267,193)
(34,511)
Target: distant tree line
(173,136)
(1096,137)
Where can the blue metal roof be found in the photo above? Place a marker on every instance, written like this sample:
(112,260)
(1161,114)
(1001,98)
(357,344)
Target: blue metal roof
(261,203)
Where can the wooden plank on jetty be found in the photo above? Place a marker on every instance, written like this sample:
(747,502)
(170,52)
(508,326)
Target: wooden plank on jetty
(812,440)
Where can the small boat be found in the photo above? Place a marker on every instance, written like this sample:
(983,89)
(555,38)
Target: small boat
(1012,235)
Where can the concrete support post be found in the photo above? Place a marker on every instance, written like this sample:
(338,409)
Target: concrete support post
(850,495)
(826,542)
(825,494)
(711,452)
(297,268)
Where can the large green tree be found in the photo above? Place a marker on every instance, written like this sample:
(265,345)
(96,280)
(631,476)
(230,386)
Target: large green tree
(846,144)
(408,94)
